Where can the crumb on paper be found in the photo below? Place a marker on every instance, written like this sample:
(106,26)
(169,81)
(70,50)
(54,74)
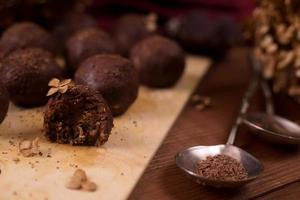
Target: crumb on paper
(134,123)
(79,181)
(16,160)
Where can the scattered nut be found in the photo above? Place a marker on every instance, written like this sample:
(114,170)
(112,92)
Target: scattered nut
(272,48)
(80,175)
(29,148)
(73,184)
(89,186)
(276,33)
(266,41)
(286,58)
(79,180)
(201,102)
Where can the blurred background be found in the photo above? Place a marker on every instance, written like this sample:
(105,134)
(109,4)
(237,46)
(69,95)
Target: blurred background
(201,26)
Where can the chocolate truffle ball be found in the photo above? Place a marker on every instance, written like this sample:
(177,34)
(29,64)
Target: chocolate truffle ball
(80,116)
(48,12)
(131,28)
(202,34)
(54,10)
(114,77)
(86,43)
(72,23)
(26,34)
(6,5)
(4,102)
(26,72)
(160,61)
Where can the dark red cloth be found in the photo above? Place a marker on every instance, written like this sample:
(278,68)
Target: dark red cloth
(108,10)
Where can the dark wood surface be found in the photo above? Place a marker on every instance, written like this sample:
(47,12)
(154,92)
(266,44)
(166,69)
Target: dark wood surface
(225,84)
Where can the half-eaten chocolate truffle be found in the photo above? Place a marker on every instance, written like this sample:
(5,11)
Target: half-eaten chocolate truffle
(76,115)
(4,102)
(26,72)
(114,77)
(26,34)
(160,61)
(86,43)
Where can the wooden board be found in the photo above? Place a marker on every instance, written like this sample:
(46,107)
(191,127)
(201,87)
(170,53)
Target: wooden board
(225,84)
(115,167)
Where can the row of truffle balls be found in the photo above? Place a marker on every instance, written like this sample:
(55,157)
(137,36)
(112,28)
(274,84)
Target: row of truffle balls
(30,56)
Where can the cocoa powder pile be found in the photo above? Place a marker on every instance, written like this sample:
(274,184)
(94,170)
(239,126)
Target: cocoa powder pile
(221,167)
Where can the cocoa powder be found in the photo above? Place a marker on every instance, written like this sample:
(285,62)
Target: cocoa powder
(221,167)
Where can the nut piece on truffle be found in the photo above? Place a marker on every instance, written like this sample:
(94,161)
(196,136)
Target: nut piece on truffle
(79,116)
(160,61)
(26,72)
(131,28)
(26,34)
(112,76)
(4,102)
(86,43)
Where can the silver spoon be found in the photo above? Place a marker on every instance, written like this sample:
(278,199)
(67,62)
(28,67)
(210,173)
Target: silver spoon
(267,125)
(187,159)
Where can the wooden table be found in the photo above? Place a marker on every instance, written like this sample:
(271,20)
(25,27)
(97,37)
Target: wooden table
(225,84)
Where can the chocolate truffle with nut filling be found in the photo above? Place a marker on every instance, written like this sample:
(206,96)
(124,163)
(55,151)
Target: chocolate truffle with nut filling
(114,77)
(4,102)
(131,28)
(86,43)
(26,34)
(26,72)
(159,61)
(77,115)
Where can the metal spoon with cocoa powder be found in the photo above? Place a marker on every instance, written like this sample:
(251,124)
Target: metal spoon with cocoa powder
(188,159)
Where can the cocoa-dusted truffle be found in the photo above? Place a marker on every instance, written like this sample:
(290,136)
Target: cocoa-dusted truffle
(4,102)
(131,28)
(159,61)
(76,115)
(86,43)
(26,34)
(72,23)
(114,77)
(26,72)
